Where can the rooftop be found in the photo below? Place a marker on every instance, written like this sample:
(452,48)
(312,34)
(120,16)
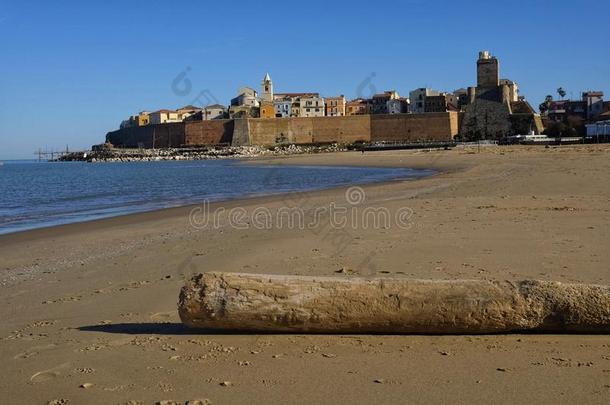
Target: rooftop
(297,94)
(215,106)
(189,107)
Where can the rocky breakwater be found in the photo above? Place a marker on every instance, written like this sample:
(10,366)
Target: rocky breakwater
(108,154)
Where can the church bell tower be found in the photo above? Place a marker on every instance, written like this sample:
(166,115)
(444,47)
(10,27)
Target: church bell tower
(267,88)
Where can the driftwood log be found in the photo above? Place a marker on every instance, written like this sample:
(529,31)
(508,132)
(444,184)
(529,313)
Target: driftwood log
(275,303)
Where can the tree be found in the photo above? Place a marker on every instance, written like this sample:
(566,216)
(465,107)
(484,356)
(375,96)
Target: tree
(561,92)
(544,107)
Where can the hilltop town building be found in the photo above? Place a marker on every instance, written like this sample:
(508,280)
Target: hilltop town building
(295,102)
(335,106)
(246,97)
(164,116)
(214,112)
(267,109)
(312,106)
(441,103)
(139,120)
(283,107)
(246,104)
(594,102)
(358,106)
(418,99)
(398,106)
(143,118)
(379,102)
(462,98)
(211,112)
(187,111)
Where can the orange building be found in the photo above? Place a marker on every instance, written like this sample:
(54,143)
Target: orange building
(358,106)
(267,109)
(335,106)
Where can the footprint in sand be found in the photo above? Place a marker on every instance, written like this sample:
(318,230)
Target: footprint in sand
(164,316)
(33,351)
(50,374)
(42,376)
(120,342)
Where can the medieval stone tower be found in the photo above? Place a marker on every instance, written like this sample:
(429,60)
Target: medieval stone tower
(267,88)
(495,110)
(488,71)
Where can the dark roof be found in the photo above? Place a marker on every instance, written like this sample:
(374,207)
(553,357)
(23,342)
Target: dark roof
(215,106)
(189,107)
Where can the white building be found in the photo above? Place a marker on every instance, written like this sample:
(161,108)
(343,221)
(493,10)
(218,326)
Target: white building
(283,107)
(164,116)
(311,106)
(246,97)
(213,112)
(187,111)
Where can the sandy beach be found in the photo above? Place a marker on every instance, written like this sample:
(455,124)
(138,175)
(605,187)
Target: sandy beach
(89,310)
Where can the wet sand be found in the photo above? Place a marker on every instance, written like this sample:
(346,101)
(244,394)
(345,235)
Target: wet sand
(95,303)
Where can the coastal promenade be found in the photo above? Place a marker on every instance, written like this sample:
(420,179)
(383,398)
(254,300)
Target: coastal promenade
(89,310)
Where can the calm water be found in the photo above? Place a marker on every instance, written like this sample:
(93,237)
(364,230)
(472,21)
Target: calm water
(35,195)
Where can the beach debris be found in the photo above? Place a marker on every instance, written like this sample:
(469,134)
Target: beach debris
(282,303)
(226,384)
(60,401)
(86,385)
(345,270)
(379,381)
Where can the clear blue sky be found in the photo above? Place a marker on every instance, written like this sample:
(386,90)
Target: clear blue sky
(71,71)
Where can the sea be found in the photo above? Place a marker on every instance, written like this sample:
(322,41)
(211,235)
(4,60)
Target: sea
(42,194)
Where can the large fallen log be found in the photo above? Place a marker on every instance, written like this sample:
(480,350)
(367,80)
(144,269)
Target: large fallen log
(274,303)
